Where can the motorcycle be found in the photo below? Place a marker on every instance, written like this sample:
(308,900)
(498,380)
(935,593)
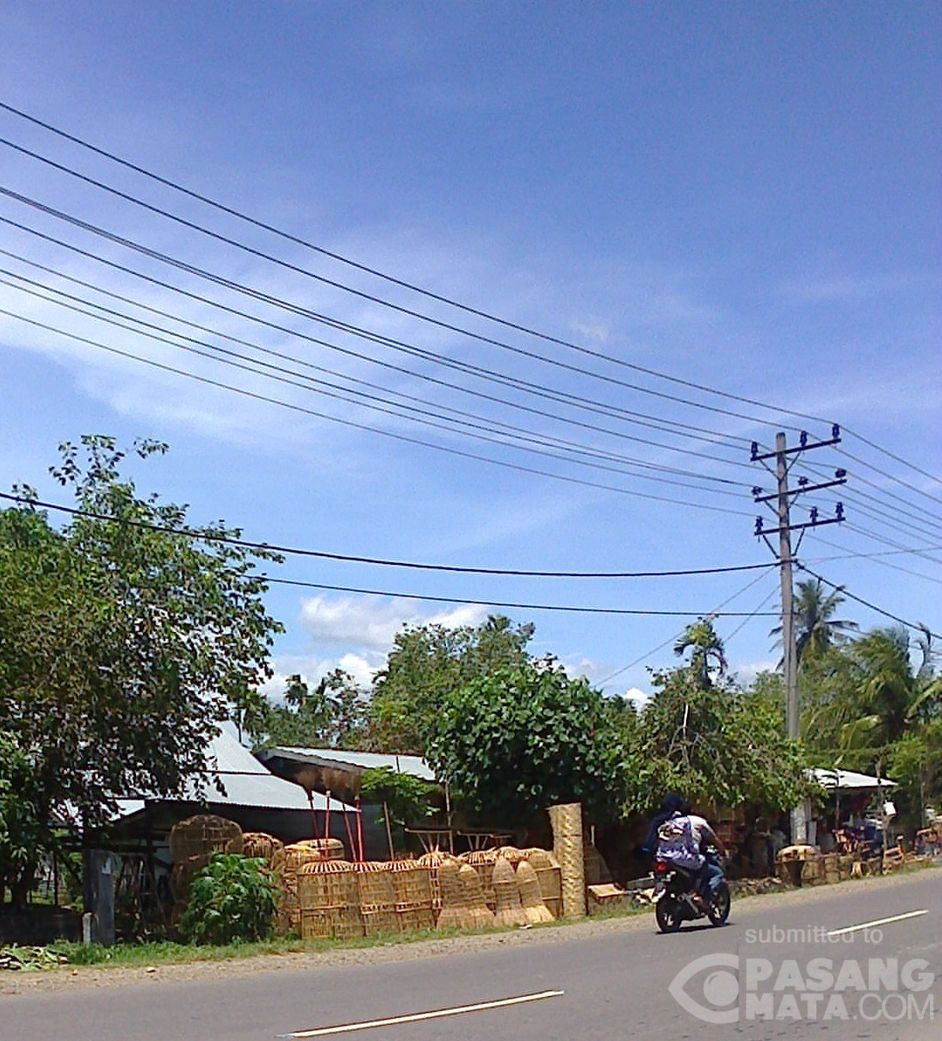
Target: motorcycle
(674,901)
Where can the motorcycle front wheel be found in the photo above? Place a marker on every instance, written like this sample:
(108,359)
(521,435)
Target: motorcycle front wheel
(667,913)
(719,909)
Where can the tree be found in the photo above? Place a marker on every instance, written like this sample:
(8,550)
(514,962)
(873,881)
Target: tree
(333,714)
(520,738)
(124,641)
(717,744)
(708,651)
(426,664)
(816,628)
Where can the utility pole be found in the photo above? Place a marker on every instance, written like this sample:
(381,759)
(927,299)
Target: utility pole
(780,502)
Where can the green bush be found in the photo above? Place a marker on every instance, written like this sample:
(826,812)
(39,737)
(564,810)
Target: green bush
(231,899)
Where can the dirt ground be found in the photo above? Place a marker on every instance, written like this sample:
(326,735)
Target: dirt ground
(69,977)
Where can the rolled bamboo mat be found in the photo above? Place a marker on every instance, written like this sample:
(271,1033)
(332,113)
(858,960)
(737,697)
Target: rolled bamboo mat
(567,848)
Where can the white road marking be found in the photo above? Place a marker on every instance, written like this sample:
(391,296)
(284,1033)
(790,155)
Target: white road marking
(878,921)
(416,1017)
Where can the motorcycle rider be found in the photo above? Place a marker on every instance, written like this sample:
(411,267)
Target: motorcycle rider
(689,851)
(671,803)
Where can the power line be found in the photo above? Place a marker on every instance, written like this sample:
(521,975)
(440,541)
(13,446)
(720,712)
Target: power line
(356,330)
(891,477)
(866,603)
(231,540)
(686,430)
(410,413)
(892,455)
(874,558)
(529,435)
(372,271)
(619,489)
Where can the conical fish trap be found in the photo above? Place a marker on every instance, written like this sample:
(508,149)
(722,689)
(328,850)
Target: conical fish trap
(483,860)
(567,847)
(548,875)
(530,897)
(454,913)
(509,909)
(413,886)
(328,900)
(433,861)
(377,897)
(480,914)
(202,835)
(512,854)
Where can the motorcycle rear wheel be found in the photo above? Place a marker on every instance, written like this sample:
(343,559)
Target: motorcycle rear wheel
(667,913)
(719,908)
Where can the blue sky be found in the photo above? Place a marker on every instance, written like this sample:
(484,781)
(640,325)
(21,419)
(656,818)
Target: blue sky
(744,196)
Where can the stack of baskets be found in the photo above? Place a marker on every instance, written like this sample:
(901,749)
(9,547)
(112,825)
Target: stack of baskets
(262,846)
(296,857)
(480,916)
(507,894)
(328,900)
(376,896)
(434,861)
(192,842)
(413,886)
(453,912)
(567,848)
(549,876)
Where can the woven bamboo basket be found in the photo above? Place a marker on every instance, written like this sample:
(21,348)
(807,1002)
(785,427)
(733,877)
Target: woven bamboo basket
(265,847)
(482,917)
(181,878)
(454,913)
(567,848)
(204,834)
(509,909)
(433,861)
(413,886)
(549,876)
(328,900)
(377,897)
(483,860)
(512,854)
(530,896)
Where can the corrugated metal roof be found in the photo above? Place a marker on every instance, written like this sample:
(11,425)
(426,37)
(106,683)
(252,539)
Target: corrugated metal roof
(414,765)
(847,780)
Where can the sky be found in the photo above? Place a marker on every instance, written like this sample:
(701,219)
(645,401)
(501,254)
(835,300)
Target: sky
(743,197)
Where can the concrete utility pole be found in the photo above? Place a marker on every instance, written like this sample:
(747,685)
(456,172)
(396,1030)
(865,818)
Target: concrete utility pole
(780,502)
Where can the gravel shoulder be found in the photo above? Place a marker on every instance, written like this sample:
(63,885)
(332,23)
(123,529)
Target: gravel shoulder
(69,978)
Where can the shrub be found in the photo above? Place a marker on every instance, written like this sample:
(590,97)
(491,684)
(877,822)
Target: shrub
(231,899)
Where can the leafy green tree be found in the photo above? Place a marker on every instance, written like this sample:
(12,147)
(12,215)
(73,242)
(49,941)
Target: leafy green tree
(708,655)
(233,899)
(124,641)
(332,714)
(715,743)
(426,664)
(520,738)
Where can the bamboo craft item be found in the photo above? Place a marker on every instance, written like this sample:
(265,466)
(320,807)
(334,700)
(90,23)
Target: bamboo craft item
(413,885)
(261,845)
(512,854)
(480,914)
(548,875)
(530,897)
(376,893)
(483,861)
(454,912)
(433,861)
(329,900)
(507,895)
(202,835)
(296,856)
(567,848)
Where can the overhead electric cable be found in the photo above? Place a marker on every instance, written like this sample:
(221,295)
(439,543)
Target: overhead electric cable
(208,535)
(363,426)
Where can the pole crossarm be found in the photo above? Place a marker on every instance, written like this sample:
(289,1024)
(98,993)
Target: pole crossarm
(803,445)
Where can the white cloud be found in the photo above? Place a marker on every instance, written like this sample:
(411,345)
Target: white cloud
(638,696)
(749,670)
(313,669)
(370,624)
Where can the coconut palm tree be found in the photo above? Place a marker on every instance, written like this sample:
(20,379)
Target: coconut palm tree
(708,650)
(816,628)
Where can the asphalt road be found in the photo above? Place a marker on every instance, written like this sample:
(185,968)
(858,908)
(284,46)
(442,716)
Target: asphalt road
(614,986)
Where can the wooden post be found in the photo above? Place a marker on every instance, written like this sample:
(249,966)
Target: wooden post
(389,838)
(359,809)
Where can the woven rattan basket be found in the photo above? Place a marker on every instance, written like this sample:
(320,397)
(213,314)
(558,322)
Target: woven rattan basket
(377,897)
(202,835)
(509,909)
(530,896)
(413,886)
(549,876)
(483,860)
(433,861)
(454,912)
(328,900)
(512,854)
(265,847)
(481,916)
(567,848)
